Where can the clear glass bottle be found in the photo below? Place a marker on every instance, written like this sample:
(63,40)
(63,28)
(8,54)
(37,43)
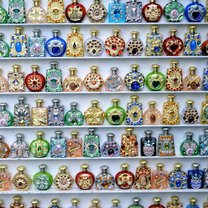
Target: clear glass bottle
(5,178)
(4,148)
(54,203)
(148,144)
(205,79)
(17,202)
(75,203)
(4,85)
(203,143)
(195,177)
(95,203)
(204,111)
(35,203)
(115,203)
(204,47)
(134,11)
(136,203)
(6,117)
(4,47)
(3,15)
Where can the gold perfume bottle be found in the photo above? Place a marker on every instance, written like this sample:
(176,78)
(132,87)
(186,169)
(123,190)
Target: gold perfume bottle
(204,112)
(4,85)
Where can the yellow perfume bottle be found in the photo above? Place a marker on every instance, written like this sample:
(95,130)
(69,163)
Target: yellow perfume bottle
(204,111)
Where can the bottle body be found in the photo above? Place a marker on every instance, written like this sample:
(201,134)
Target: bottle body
(6,117)
(203,145)
(205,79)
(39,116)
(134,11)
(4,48)
(148,146)
(195,179)
(74,147)
(116,12)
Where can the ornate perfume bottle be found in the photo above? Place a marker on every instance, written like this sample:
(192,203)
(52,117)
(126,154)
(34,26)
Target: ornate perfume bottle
(6,117)
(17,202)
(156,204)
(18,43)
(204,79)
(116,12)
(195,177)
(3,15)
(133,11)
(4,47)
(148,144)
(203,143)
(74,145)
(58,145)
(116,203)
(34,203)
(54,203)
(91,144)
(75,203)
(174,203)
(95,203)
(192,81)
(204,112)
(4,148)
(205,180)
(115,45)
(5,177)
(136,203)
(193,204)
(204,47)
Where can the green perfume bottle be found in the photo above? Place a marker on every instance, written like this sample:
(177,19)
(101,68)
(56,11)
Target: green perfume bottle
(136,203)
(4,47)
(3,14)
(6,117)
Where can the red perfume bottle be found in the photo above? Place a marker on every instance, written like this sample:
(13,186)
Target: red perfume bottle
(75,12)
(35,81)
(173,45)
(204,47)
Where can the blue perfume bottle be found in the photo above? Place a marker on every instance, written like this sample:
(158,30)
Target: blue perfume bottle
(195,12)
(205,181)
(56,46)
(192,204)
(203,144)
(205,79)
(116,12)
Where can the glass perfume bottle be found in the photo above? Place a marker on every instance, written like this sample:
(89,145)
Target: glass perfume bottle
(203,143)
(116,12)
(36,14)
(58,145)
(135,46)
(174,203)
(35,203)
(193,203)
(94,46)
(204,47)
(104,180)
(124,178)
(5,178)
(205,180)
(17,202)
(116,203)
(134,112)
(204,112)
(159,178)
(19,149)
(4,148)
(166,146)
(190,114)
(192,42)
(189,146)
(110,148)
(133,11)
(42,180)
(174,11)
(36,44)
(6,117)
(148,144)
(136,203)
(129,144)
(54,203)
(74,117)
(55,46)
(18,43)
(192,81)
(205,79)
(94,115)
(95,203)
(75,203)
(178,179)
(91,144)
(156,204)
(39,114)
(3,15)
(4,47)
(115,45)
(85,179)
(56,114)
(134,80)
(154,43)
(115,115)
(195,177)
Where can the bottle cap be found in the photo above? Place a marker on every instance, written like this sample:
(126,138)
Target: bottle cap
(178,166)
(55,101)
(55,201)
(114,70)
(91,131)
(192,70)
(1,138)
(39,102)
(174,64)
(134,98)
(115,202)
(3,105)
(160,166)
(110,137)
(35,68)
(58,133)
(173,32)
(129,131)
(21,99)
(171,98)
(116,32)
(148,133)
(21,168)
(205,131)
(136,200)
(124,166)
(193,201)
(192,28)
(175,199)
(1,36)
(155,67)
(134,67)
(94,69)
(17,198)
(75,29)
(195,166)
(34,202)
(39,133)
(94,32)
(73,105)
(75,202)
(63,168)
(134,34)
(18,30)
(3,167)
(95,103)
(84,166)
(73,71)
(143,163)
(16,68)
(190,103)
(189,135)
(157,200)
(36,32)
(53,64)
(56,33)
(36,2)
(42,167)
(95,202)
(154,29)
(74,134)
(19,137)
(152,104)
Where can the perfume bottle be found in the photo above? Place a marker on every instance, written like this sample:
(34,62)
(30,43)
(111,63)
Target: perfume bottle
(189,146)
(94,115)
(159,178)
(204,111)
(134,80)
(35,81)
(35,203)
(174,203)
(152,12)
(178,179)
(124,178)
(5,177)
(16,11)
(95,203)
(192,43)
(156,204)
(74,145)
(133,11)
(6,117)
(39,147)
(174,11)
(115,45)
(2,204)
(58,145)
(91,144)
(129,144)
(193,204)
(85,179)
(134,112)
(16,79)
(18,43)
(104,180)
(4,47)
(136,203)
(166,146)
(56,114)
(21,179)
(148,144)
(36,14)
(195,177)
(205,79)
(195,12)
(3,15)
(204,47)
(115,203)
(63,180)
(36,44)
(154,43)
(4,148)
(39,114)
(54,203)
(116,12)
(203,144)
(4,85)
(17,202)
(190,114)
(74,117)
(205,180)
(55,46)
(97,12)
(19,149)
(94,46)
(115,115)
(42,180)
(75,203)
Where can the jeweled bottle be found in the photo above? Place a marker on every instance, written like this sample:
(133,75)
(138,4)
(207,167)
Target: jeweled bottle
(95,203)
(174,203)
(204,47)
(6,117)
(4,148)
(195,177)
(192,43)
(116,12)
(17,202)
(133,11)
(58,145)
(4,47)
(203,143)
(35,203)
(189,146)
(91,144)
(75,203)
(115,203)
(192,81)
(148,144)
(129,144)
(35,81)
(55,46)
(205,180)
(178,179)
(5,178)
(154,43)
(42,180)
(193,203)
(3,14)
(36,44)
(18,43)
(54,203)
(136,203)
(124,178)
(204,112)
(156,204)
(36,14)
(115,45)
(205,79)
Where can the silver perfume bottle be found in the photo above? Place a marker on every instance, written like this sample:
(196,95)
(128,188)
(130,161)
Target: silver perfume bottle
(133,11)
